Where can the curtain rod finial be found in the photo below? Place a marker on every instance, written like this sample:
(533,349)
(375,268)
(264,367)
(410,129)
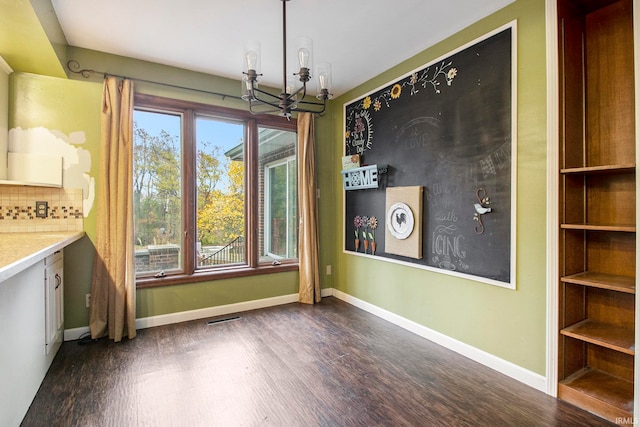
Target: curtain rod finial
(74,67)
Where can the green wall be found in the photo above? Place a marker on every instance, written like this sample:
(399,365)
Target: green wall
(73,105)
(23,41)
(510,324)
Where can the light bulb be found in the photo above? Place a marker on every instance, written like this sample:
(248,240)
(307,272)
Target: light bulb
(323,78)
(252,60)
(290,86)
(303,57)
(290,89)
(323,72)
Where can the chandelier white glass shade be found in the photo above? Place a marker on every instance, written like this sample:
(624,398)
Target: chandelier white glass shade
(293,95)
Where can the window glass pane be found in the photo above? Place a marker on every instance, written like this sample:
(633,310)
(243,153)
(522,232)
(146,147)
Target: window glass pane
(277,211)
(220,192)
(278,233)
(292,196)
(156,192)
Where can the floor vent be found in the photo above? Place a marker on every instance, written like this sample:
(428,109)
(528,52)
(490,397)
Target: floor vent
(222,320)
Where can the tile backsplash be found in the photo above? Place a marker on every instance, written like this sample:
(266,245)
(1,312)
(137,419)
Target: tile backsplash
(18,209)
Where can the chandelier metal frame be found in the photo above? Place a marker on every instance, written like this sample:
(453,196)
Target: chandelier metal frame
(261,101)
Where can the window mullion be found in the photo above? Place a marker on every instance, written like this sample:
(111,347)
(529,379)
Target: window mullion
(189,192)
(251,178)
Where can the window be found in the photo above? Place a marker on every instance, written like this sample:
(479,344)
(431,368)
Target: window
(280,217)
(157,200)
(215,192)
(220,204)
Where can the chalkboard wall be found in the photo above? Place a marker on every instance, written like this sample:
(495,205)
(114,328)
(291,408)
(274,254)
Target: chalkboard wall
(448,128)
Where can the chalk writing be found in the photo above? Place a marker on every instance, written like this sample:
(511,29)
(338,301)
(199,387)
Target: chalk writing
(447,247)
(447,216)
(415,133)
(437,195)
(359,133)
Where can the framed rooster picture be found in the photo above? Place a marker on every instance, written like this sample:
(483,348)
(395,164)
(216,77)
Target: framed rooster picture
(403,219)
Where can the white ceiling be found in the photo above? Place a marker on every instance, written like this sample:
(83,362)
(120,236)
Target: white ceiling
(360,38)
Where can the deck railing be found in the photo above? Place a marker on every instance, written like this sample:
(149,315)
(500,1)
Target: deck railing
(231,253)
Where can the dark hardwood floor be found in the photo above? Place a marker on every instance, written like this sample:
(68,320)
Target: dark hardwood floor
(294,365)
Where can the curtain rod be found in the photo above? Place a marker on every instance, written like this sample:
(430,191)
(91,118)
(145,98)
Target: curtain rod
(74,67)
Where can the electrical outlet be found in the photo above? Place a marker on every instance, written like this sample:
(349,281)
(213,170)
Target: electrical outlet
(42,209)
(87,300)
(329,270)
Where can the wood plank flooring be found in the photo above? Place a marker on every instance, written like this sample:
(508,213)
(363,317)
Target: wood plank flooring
(294,365)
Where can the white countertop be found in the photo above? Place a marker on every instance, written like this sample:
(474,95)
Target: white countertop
(18,251)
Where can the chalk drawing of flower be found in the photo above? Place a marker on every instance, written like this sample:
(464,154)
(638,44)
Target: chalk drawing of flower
(432,76)
(396,90)
(451,74)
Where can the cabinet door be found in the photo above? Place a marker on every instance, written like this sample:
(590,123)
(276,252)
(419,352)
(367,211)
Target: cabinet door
(54,297)
(58,277)
(49,308)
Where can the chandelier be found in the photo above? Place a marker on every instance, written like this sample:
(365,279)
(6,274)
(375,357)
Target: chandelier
(293,95)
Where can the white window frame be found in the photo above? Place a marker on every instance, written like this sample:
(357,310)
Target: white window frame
(267,207)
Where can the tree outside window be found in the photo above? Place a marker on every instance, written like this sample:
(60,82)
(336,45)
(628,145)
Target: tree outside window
(203,176)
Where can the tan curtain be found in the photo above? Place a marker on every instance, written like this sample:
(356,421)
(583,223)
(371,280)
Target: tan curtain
(309,292)
(112,310)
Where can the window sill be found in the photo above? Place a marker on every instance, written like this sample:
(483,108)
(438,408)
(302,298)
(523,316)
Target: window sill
(211,275)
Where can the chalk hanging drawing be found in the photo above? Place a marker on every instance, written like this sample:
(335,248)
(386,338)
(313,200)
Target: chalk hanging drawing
(359,127)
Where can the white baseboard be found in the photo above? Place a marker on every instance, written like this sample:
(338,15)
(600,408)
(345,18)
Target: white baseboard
(516,372)
(184,316)
(221,310)
(75,333)
(507,368)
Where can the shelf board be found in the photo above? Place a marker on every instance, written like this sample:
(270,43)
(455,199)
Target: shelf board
(598,392)
(629,228)
(623,168)
(603,281)
(603,334)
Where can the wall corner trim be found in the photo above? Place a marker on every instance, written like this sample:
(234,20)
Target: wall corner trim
(505,367)
(5,67)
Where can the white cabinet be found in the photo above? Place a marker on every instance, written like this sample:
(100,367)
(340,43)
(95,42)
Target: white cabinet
(34,169)
(31,315)
(54,301)
(31,332)
(23,358)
